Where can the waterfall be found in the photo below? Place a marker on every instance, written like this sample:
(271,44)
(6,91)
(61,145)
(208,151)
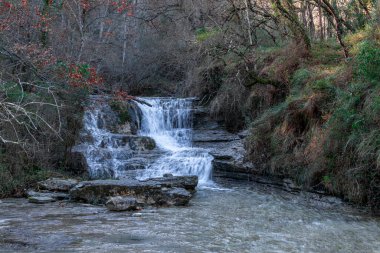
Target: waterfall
(169,122)
(101,148)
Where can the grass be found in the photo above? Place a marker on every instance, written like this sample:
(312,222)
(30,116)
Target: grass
(325,133)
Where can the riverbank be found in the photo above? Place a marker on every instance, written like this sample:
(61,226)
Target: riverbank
(312,115)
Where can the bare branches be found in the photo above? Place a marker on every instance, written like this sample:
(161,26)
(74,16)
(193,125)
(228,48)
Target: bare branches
(22,119)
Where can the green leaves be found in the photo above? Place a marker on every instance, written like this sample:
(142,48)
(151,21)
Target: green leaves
(368,61)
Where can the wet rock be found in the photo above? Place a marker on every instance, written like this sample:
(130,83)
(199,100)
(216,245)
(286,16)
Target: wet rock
(290,186)
(40,200)
(135,116)
(150,192)
(120,203)
(131,142)
(168,175)
(187,182)
(243,134)
(77,162)
(177,197)
(57,184)
(213,136)
(203,121)
(53,195)
(142,143)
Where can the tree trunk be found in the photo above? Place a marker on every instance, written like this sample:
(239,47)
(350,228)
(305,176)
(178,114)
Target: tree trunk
(311,20)
(330,10)
(321,24)
(248,22)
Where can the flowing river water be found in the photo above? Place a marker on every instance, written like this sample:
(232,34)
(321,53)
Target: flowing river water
(223,216)
(242,218)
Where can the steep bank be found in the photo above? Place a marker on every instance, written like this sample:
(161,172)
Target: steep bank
(313,116)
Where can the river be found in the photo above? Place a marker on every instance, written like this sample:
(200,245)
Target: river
(239,217)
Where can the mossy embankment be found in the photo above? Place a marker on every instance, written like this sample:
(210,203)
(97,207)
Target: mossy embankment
(314,116)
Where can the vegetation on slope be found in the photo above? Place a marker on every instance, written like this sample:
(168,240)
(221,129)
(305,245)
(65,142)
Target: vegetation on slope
(308,90)
(325,133)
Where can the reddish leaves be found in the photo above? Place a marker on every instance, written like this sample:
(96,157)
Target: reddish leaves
(122,95)
(83,76)
(124,6)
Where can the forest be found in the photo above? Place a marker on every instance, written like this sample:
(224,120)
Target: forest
(303,76)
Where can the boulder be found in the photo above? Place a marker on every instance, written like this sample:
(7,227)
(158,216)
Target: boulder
(157,192)
(76,160)
(121,203)
(57,184)
(176,197)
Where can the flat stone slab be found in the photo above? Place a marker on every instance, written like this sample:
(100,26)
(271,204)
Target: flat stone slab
(150,192)
(214,136)
(57,184)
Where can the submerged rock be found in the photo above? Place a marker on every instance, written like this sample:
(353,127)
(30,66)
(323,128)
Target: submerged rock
(177,197)
(157,192)
(53,195)
(57,184)
(41,200)
(120,203)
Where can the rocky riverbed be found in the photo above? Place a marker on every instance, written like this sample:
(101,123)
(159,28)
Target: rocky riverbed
(232,218)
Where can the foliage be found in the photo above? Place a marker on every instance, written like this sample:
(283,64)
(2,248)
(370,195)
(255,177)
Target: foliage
(325,135)
(368,61)
(14,183)
(203,34)
(122,110)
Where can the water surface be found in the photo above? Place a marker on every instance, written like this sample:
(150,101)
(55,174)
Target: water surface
(239,218)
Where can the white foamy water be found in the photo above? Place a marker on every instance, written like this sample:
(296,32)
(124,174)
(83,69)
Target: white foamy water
(169,122)
(105,152)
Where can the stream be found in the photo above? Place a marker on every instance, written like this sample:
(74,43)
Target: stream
(236,218)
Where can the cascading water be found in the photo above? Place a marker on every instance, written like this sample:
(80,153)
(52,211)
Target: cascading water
(169,122)
(99,149)
(107,154)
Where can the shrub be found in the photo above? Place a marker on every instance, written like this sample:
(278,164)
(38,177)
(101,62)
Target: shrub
(13,182)
(122,111)
(368,61)
(203,34)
